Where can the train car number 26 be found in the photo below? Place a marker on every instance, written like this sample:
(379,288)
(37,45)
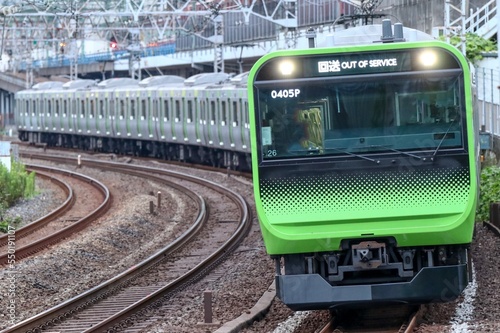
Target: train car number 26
(285,93)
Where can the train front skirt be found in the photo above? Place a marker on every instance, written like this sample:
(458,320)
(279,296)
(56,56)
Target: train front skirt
(432,284)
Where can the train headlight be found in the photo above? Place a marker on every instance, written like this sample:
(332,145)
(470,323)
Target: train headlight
(286,67)
(428,58)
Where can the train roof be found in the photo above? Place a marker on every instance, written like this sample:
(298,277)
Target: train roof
(79,84)
(161,80)
(48,85)
(117,82)
(206,78)
(376,33)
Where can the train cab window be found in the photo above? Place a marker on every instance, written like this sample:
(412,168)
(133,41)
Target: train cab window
(212,112)
(177,111)
(122,109)
(223,106)
(143,109)
(346,118)
(132,109)
(235,113)
(189,111)
(101,109)
(92,110)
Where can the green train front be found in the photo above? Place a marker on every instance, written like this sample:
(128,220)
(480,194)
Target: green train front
(365,174)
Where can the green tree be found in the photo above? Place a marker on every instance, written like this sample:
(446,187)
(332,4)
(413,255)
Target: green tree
(475,46)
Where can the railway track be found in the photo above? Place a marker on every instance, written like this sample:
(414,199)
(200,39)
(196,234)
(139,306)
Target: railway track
(171,269)
(383,319)
(28,242)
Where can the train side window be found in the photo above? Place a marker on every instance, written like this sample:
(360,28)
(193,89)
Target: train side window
(33,109)
(73,108)
(27,110)
(223,106)
(49,108)
(101,109)
(92,109)
(65,108)
(143,109)
(189,111)
(177,111)
(235,113)
(132,109)
(56,111)
(122,109)
(212,113)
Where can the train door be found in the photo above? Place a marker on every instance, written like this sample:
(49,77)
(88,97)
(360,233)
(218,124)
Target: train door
(104,106)
(120,121)
(110,97)
(74,113)
(224,125)
(93,118)
(203,120)
(142,122)
(154,115)
(146,119)
(190,132)
(165,118)
(212,121)
(47,115)
(235,122)
(21,113)
(245,128)
(102,120)
(197,120)
(65,114)
(34,114)
(39,112)
(58,120)
(176,123)
(162,109)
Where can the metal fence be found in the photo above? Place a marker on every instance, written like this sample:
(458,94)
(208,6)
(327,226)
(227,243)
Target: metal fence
(488,95)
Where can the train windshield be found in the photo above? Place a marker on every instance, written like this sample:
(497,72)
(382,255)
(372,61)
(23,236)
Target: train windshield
(362,114)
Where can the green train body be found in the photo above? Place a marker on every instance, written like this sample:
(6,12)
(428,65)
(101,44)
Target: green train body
(365,172)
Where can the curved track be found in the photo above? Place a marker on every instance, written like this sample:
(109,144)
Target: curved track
(65,232)
(112,304)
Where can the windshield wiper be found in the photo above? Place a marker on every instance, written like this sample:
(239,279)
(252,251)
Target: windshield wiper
(356,155)
(396,151)
(442,139)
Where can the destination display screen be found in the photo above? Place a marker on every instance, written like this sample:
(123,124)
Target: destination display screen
(340,64)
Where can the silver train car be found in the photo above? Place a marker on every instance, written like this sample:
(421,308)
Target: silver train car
(202,119)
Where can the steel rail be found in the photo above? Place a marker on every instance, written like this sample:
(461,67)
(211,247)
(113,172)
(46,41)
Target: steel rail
(79,225)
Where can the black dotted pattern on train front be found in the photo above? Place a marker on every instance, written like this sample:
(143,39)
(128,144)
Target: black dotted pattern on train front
(366,192)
